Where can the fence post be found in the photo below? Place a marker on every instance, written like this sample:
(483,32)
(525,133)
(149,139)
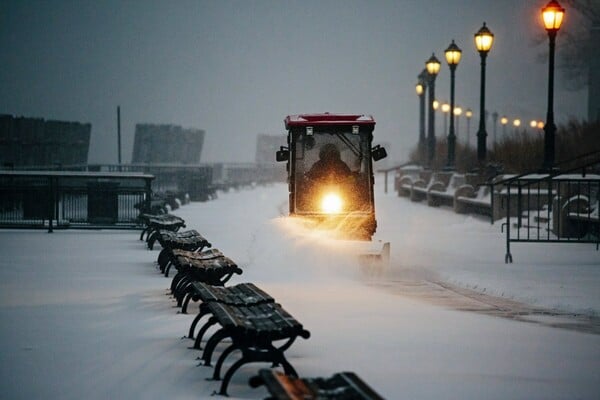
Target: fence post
(508,256)
(148,194)
(50,204)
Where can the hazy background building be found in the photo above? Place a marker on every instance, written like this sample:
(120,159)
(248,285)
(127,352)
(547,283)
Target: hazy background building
(34,141)
(167,144)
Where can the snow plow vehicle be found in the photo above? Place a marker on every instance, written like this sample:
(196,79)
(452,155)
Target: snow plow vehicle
(330,172)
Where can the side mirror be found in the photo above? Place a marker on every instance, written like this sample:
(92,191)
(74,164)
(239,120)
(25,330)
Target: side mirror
(283,154)
(378,153)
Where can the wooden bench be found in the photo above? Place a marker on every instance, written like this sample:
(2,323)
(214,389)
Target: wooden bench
(169,241)
(185,240)
(468,200)
(240,295)
(155,223)
(441,191)
(253,330)
(214,271)
(165,263)
(341,386)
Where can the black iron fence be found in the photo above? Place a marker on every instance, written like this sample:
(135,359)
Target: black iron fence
(67,199)
(200,181)
(558,207)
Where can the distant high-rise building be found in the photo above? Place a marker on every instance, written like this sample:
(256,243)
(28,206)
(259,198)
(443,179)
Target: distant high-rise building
(267,145)
(167,144)
(35,141)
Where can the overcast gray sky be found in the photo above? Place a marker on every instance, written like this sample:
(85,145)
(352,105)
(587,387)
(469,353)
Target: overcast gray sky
(237,68)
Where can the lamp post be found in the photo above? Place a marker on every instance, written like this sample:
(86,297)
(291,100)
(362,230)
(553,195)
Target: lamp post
(517,124)
(483,43)
(504,121)
(469,115)
(453,53)
(495,121)
(458,112)
(420,89)
(432,65)
(552,16)
(445,109)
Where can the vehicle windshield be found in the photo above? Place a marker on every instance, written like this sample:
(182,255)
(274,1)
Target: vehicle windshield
(335,162)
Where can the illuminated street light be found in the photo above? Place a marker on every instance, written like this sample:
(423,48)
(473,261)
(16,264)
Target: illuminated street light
(469,115)
(504,121)
(420,89)
(552,15)
(432,65)
(484,39)
(445,109)
(457,114)
(517,124)
(453,54)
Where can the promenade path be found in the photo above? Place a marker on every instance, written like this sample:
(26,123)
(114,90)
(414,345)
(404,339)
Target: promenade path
(83,314)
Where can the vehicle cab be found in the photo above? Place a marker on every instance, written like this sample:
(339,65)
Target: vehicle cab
(330,171)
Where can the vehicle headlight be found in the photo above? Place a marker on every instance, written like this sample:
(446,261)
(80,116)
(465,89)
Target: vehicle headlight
(331,203)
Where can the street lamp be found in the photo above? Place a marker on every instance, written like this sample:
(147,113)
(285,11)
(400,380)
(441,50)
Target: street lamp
(552,15)
(516,124)
(453,54)
(504,121)
(483,43)
(445,109)
(495,121)
(432,65)
(458,112)
(469,115)
(420,89)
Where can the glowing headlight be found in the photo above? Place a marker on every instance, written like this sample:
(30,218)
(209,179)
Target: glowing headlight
(331,203)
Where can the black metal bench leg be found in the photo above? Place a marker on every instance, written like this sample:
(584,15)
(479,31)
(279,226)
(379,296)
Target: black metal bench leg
(212,343)
(182,292)
(163,258)
(287,367)
(187,290)
(151,238)
(226,278)
(229,374)
(167,268)
(184,280)
(202,331)
(144,231)
(197,319)
(186,302)
(178,276)
(221,360)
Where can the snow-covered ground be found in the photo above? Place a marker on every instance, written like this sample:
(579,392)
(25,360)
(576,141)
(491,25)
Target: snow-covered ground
(83,314)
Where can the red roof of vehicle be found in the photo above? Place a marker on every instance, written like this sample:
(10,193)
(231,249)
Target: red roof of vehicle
(328,119)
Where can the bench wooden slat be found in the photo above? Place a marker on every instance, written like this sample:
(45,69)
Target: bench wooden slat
(341,386)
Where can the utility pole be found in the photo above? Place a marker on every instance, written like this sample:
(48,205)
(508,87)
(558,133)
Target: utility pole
(119,134)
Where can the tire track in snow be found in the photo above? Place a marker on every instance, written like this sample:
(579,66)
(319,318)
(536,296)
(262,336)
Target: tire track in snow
(447,295)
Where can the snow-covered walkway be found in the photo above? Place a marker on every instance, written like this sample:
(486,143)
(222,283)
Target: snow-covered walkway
(83,314)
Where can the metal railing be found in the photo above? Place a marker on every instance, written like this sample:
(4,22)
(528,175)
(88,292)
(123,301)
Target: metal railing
(561,206)
(198,181)
(65,199)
